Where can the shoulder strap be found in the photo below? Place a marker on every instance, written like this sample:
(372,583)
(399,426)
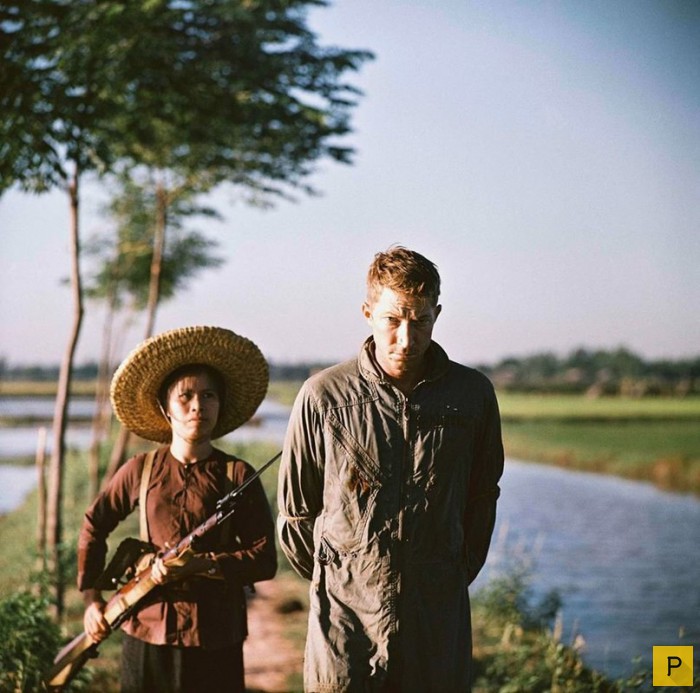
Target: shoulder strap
(143,492)
(226,529)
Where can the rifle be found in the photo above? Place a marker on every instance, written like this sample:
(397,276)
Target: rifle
(71,659)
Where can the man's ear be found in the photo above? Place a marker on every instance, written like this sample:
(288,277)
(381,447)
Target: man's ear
(438,310)
(367,312)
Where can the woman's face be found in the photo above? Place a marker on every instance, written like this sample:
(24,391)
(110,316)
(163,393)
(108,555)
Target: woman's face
(193,407)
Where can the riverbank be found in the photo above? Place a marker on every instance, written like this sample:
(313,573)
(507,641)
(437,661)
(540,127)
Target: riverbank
(655,440)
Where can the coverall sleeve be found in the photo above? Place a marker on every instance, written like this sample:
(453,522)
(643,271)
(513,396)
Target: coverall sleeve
(300,487)
(480,517)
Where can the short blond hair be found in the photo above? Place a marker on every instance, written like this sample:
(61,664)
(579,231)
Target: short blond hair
(404,271)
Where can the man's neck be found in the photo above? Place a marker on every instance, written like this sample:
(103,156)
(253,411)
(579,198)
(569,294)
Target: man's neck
(405,383)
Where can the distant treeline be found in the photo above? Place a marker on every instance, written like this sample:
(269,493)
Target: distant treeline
(88,371)
(594,372)
(597,372)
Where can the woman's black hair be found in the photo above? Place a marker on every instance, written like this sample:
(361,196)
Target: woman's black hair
(190,369)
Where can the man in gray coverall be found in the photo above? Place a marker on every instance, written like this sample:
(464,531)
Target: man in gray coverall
(387,496)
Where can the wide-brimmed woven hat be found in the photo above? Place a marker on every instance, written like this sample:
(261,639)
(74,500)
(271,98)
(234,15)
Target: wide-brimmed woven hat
(135,385)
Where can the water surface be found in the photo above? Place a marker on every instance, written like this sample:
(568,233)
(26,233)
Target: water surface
(623,555)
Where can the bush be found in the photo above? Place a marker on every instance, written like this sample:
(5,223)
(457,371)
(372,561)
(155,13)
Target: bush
(508,599)
(29,641)
(519,644)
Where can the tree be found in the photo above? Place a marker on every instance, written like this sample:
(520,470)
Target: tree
(196,92)
(121,279)
(52,130)
(268,103)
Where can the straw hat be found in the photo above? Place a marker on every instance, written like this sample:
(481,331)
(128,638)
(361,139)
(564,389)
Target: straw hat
(135,385)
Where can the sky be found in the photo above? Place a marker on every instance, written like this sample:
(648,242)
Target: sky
(545,155)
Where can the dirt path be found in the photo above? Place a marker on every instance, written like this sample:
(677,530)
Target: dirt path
(273,652)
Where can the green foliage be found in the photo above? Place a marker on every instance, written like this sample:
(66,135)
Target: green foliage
(508,598)
(598,372)
(519,647)
(29,640)
(123,260)
(238,89)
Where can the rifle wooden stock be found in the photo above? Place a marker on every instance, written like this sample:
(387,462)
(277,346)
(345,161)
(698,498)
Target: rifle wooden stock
(71,659)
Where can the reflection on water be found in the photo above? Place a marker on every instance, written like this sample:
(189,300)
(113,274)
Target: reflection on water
(15,484)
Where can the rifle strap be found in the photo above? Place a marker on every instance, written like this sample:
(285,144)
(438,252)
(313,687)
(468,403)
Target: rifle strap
(143,492)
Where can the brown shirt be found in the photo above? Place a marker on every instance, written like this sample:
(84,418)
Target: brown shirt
(200,611)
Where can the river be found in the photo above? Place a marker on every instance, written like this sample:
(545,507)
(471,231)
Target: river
(623,555)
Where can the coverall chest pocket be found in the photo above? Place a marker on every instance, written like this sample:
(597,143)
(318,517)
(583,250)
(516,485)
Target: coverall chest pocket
(444,436)
(353,480)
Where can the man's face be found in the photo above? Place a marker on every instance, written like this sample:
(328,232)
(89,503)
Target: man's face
(402,326)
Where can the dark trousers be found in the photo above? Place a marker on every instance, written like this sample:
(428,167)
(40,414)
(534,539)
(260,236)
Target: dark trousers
(150,668)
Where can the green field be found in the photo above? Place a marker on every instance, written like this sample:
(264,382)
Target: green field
(521,406)
(652,439)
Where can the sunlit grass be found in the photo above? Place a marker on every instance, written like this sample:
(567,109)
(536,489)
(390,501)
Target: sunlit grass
(664,452)
(563,407)
(32,388)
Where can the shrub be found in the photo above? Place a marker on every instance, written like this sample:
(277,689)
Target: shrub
(519,647)
(29,641)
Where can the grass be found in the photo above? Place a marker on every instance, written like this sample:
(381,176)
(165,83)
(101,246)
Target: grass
(44,388)
(666,453)
(284,391)
(521,406)
(518,644)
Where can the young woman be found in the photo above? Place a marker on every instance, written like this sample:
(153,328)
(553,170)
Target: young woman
(184,388)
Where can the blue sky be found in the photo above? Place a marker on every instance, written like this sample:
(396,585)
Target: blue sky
(546,155)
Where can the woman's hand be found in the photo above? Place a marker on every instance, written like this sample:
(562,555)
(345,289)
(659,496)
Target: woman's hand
(183,566)
(94,621)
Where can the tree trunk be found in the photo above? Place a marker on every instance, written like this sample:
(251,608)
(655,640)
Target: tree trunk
(121,443)
(116,459)
(157,258)
(40,463)
(101,416)
(54,528)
